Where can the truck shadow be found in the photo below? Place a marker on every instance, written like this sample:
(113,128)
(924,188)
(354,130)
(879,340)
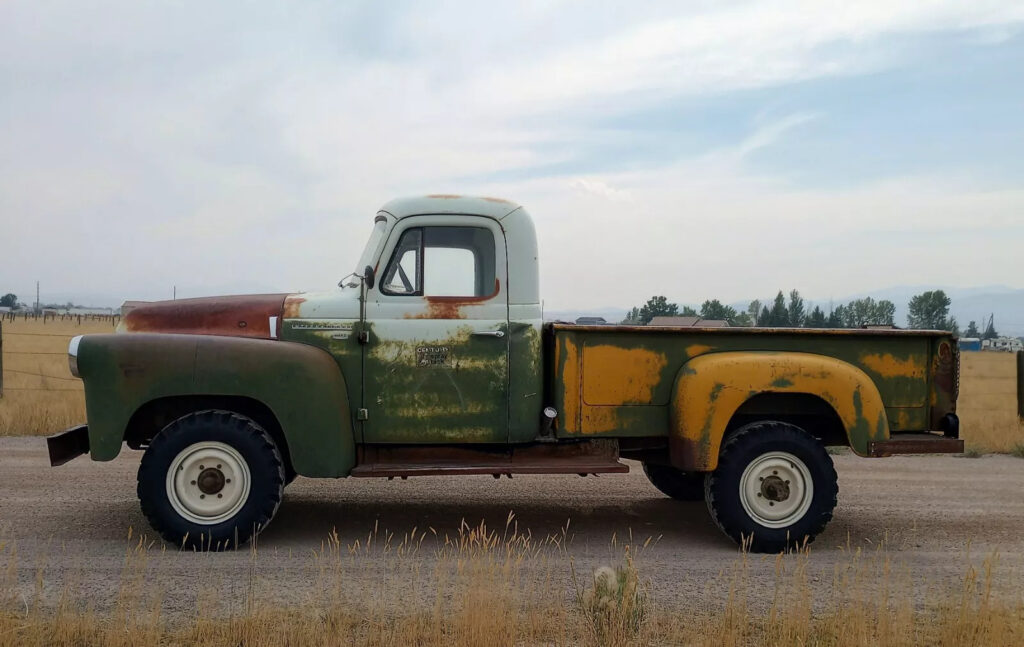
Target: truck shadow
(302,520)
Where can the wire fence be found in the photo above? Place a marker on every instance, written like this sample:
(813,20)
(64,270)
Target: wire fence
(43,318)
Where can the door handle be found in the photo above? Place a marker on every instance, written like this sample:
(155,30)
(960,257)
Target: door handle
(489,333)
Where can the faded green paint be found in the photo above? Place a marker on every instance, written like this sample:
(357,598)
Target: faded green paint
(782,382)
(301,386)
(428,389)
(526,381)
(340,338)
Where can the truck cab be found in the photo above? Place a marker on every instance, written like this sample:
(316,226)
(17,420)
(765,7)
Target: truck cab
(438,331)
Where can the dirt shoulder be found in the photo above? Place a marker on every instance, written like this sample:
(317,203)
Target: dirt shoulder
(74,521)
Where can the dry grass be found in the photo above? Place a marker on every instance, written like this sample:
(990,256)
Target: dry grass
(35,405)
(484,587)
(988,402)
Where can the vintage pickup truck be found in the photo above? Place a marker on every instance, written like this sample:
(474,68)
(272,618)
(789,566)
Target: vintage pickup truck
(433,358)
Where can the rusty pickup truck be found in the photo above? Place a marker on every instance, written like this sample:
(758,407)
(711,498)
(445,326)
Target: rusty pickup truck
(433,358)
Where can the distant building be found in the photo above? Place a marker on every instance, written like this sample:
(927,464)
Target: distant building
(591,321)
(969,343)
(1008,344)
(689,322)
(4,309)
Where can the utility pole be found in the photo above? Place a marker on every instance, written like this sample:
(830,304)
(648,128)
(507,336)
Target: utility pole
(37,297)
(174,292)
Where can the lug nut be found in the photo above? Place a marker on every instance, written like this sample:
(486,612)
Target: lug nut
(193,482)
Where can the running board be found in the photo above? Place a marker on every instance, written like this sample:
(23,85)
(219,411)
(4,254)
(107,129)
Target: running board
(582,458)
(916,444)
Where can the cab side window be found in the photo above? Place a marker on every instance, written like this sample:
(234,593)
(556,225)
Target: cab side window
(442,262)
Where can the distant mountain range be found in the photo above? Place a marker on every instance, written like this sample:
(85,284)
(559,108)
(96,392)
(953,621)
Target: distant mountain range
(969,304)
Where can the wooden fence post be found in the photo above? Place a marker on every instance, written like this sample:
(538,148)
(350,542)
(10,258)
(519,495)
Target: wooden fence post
(1020,384)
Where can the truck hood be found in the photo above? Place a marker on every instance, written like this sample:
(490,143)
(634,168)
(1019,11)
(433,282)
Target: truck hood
(250,315)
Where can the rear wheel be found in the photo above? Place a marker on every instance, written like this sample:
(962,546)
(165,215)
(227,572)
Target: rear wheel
(210,480)
(679,485)
(775,487)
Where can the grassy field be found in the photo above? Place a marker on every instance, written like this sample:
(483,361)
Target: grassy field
(504,587)
(35,405)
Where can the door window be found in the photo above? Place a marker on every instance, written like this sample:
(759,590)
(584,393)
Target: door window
(442,262)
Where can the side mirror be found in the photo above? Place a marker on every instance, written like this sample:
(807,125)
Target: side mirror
(368,277)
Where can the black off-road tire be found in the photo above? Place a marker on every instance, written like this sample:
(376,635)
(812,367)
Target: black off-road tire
(675,483)
(250,441)
(746,445)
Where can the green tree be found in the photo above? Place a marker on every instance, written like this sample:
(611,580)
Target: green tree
(816,319)
(8,301)
(754,311)
(715,309)
(743,320)
(930,311)
(778,315)
(765,317)
(837,318)
(972,330)
(657,307)
(687,311)
(632,317)
(797,312)
(868,312)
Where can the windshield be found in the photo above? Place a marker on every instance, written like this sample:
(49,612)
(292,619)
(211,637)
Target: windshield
(372,249)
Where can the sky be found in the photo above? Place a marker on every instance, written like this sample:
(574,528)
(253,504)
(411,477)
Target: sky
(697,150)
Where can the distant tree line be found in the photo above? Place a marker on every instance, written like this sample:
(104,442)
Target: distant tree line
(928,310)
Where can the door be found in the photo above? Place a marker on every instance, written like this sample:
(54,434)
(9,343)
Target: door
(436,367)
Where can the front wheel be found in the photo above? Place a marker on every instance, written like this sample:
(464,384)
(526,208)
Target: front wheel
(775,487)
(210,480)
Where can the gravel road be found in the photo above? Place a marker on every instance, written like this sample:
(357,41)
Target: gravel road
(927,510)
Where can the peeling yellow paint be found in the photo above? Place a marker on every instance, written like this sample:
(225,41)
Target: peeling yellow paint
(694,350)
(713,387)
(887,365)
(613,375)
(567,359)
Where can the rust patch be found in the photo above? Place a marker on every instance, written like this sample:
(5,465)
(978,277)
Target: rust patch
(292,307)
(500,200)
(451,307)
(232,316)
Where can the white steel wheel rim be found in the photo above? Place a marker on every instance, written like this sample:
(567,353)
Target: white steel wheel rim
(776,489)
(208,482)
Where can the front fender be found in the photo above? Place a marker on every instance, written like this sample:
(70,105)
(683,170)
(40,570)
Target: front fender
(300,384)
(710,388)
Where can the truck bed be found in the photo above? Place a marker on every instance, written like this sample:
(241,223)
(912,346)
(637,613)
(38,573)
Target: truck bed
(619,380)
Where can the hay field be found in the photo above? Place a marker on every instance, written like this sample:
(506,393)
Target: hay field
(40,395)
(34,405)
(988,402)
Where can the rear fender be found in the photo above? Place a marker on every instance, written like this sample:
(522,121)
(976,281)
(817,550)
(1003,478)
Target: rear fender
(301,385)
(710,388)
